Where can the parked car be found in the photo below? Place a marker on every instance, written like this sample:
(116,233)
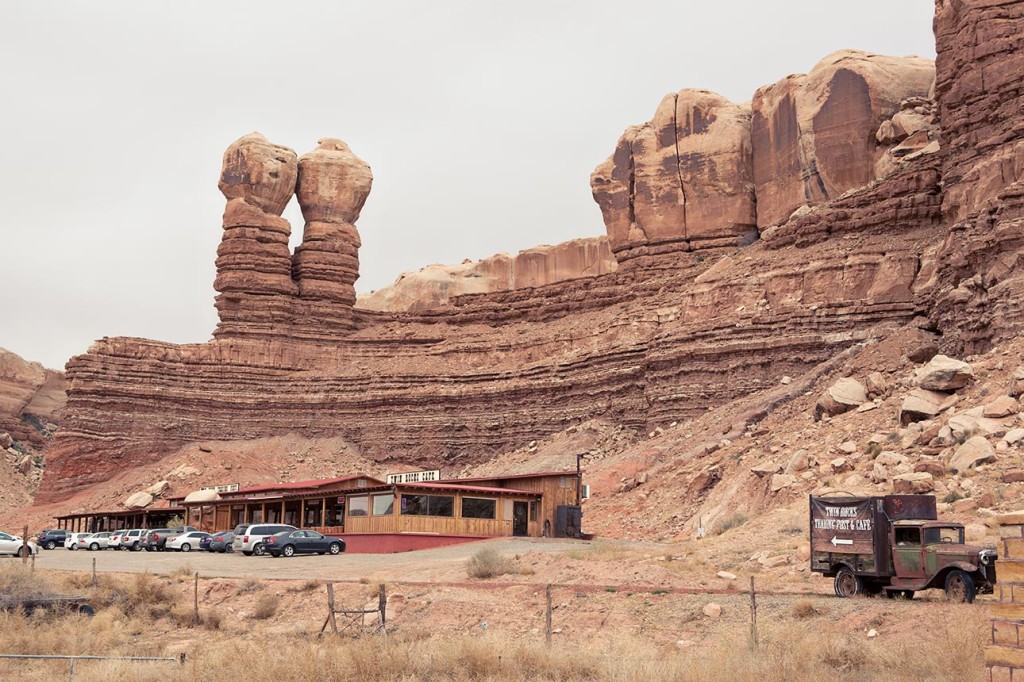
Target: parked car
(292,542)
(185,542)
(98,541)
(221,542)
(156,539)
(132,539)
(53,538)
(76,540)
(251,541)
(115,539)
(13,545)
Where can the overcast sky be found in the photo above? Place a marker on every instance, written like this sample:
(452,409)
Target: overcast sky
(481,120)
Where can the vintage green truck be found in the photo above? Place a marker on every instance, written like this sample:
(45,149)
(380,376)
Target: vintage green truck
(895,544)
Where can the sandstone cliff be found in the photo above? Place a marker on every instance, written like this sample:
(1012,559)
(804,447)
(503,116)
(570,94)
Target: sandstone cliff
(31,399)
(853,249)
(436,285)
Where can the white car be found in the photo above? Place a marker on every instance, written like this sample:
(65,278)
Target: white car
(13,545)
(76,540)
(130,539)
(185,542)
(115,539)
(97,541)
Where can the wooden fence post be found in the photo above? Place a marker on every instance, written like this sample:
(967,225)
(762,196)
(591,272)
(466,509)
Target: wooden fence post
(94,571)
(547,618)
(195,596)
(382,605)
(330,608)
(24,546)
(753,614)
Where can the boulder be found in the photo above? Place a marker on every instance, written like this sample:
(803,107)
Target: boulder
(936,469)
(725,575)
(848,447)
(923,404)
(943,373)
(876,385)
(915,483)
(854,480)
(766,469)
(1014,436)
(139,500)
(891,459)
(839,465)
(803,552)
(780,481)
(879,473)
(24,465)
(712,610)
(798,463)
(158,488)
(973,452)
(1017,382)
(202,496)
(5,440)
(844,395)
(1013,476)
(1002,406)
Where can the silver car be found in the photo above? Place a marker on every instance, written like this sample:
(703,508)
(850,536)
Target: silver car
(251,541)
(76,540)
(131,539)
(13,544)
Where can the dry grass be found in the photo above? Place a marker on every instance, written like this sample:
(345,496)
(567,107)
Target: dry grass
(266,606)
(307,586)
(249,585)
(489,563)
(804,609)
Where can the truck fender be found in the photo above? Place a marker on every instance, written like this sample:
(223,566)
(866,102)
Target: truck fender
(939,579)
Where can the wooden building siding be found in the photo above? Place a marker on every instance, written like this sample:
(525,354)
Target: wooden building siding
(557,490)
(396,522)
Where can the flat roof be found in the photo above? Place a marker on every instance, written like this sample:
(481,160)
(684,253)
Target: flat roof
(122,512)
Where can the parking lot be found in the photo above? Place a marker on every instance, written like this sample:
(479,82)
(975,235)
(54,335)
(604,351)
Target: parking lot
(419,565)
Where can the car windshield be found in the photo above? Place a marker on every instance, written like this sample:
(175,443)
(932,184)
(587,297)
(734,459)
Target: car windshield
(950,535)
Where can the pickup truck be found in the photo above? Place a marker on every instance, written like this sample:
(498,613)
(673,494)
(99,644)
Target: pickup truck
(895,544)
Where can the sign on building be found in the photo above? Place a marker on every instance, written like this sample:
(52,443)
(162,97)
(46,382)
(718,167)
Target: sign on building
(414,477)
(229,488)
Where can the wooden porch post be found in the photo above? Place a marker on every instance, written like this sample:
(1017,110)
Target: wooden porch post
(323,512)
(282,510)
(263,512)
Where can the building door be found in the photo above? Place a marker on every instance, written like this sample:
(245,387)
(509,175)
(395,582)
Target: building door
(520,518)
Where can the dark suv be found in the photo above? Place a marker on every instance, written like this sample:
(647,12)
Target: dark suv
(51,539)
(156,539)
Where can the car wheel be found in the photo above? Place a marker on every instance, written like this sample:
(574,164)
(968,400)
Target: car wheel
(259,549)
(288,550)
(186,547)
(135,547)
(335,548)
(51,544)
(73,547)
(847,583)
(246,553)
(23,552)
(960,587)
(87,610)
(94,546)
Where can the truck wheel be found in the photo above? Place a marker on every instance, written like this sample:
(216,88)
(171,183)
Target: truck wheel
(848,583)
(960,587)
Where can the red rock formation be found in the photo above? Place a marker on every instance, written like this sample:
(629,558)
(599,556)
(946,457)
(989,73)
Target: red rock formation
(436,285)
(639,347)
(31,399)
(254,268)
(814,135)
(332,187)
(681,181)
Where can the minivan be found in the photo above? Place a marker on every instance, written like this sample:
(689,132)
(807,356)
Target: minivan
(250,541)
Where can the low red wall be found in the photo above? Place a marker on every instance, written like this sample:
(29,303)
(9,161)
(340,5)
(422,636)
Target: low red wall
(389,543)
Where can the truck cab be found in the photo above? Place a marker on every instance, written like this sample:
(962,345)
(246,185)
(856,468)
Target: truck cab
(895,544)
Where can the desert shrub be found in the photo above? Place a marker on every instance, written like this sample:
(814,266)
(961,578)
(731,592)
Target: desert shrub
(18,581)
(489,563)
(176,522)
(249,585)
(804,609)
(734,521)
(952,496)
(307,586)
(266,606)
(874,449)
(183,572)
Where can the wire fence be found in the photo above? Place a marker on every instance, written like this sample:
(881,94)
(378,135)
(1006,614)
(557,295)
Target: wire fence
(180,659)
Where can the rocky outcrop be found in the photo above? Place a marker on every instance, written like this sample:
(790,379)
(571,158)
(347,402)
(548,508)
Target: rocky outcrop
(436,285)
(680,182)
(676,332)
(814,135)
(32,399)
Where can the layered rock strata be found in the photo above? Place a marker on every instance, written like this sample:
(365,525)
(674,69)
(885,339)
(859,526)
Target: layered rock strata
(437,285)
(641,346)
(31,400)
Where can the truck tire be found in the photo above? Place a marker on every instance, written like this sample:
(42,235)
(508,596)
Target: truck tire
(960,587)
(848,583)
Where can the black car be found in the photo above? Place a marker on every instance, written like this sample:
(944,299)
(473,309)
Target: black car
(292,542)
(220,542)
(51,539)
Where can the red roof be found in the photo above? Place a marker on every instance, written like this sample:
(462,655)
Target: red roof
(504,477)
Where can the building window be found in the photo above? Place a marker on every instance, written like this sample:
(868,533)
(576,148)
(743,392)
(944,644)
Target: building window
(358,505)
(476,508)
(383,505)
(533,511)
(428,505)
